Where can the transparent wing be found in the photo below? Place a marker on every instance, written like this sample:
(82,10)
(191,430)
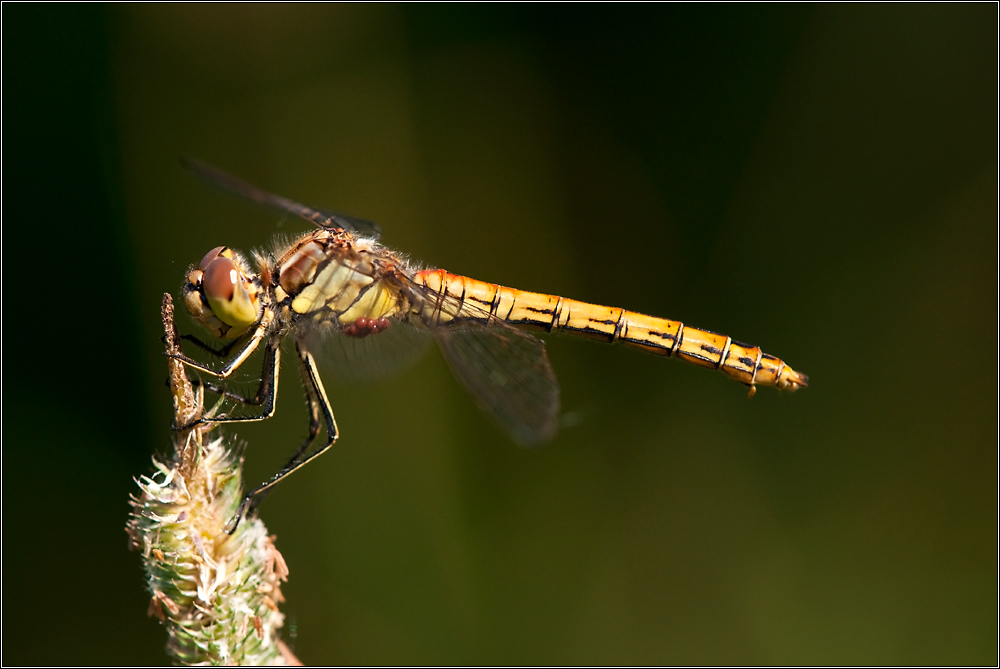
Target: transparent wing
(321,217)
(349,360)
(509,375)
(506,371)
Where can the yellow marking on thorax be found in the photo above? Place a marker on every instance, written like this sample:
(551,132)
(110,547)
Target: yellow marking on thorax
(378,301)
(330,284)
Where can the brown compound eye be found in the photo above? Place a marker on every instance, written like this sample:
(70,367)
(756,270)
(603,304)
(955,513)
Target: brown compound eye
(210,256)
(220,279)
(224,288)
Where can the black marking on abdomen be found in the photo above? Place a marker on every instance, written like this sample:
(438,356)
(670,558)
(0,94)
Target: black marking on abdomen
(661,335)
(677,340)
(442,293)
(589,330)
(620,325)
(482,302)
(556,314)
(688,354)
(647,342)
(513,303)
(495,304)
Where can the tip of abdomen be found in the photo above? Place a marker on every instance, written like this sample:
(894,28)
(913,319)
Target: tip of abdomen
(791,380)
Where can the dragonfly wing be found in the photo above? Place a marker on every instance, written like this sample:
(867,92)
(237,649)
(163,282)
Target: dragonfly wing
(349,360)
(509,375)
(363,227)
(321,217)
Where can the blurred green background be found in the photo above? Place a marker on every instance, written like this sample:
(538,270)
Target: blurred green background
(819,180)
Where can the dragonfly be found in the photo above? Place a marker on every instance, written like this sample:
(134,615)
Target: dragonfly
(338,279)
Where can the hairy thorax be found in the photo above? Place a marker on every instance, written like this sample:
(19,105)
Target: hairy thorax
(329,276)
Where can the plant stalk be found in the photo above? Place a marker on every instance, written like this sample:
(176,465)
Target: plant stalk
(217,595)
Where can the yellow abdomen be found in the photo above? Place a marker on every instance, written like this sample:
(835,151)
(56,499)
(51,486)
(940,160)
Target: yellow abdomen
(536,311)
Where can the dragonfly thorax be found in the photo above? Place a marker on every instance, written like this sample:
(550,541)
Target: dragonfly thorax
(222,294)
(329,277)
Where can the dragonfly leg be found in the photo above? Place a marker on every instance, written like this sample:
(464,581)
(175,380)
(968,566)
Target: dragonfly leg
(245,351)
(208,348)
(318,404)
(257,400)
(267,391)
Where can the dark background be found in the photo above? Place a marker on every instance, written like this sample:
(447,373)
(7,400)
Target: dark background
(820,180)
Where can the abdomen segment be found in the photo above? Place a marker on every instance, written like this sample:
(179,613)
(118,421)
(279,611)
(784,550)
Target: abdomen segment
(478,301)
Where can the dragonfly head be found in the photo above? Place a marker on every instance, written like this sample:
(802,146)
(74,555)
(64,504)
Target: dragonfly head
(222,295)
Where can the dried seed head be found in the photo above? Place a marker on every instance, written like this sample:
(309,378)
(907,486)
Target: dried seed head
(208,587)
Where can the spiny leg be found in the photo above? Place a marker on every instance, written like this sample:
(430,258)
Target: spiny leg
(314,406)
(318,403)
(245,351)
(267,391)
(208,348)
(224,391)
(315,402)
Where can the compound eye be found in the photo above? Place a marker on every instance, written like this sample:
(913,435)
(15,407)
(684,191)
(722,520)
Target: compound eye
(224,289)
(210,256)
(220,279)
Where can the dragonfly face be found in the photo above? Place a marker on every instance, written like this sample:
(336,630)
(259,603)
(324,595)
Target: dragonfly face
(340,280)
(223,295)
